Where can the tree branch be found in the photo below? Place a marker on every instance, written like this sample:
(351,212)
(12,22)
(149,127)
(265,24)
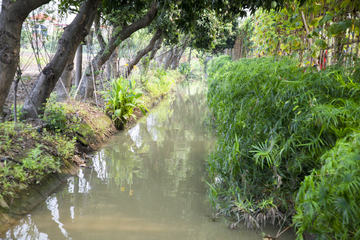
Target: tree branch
(143,52)
(98,30)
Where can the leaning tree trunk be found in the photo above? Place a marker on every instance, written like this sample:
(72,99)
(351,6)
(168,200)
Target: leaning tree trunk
(143,52)
(169,59)
(73,35)
(176,62)
(12,16)
(156,48)
(63,86)
(161,57)
(105,52)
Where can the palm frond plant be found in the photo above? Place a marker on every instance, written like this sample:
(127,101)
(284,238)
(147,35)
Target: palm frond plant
(121,100)
(274,122)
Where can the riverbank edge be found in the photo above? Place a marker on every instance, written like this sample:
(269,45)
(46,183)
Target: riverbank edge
(26,197)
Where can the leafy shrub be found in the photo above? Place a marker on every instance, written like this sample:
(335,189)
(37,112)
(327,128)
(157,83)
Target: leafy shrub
(121,101)
(274,121)
(55,118)
(54,115)
(327,203)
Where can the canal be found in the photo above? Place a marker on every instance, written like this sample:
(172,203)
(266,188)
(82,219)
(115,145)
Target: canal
(146,183)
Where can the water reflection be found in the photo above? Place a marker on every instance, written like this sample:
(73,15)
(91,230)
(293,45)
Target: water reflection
(146,184)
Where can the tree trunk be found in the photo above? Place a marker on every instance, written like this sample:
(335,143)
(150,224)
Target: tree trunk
(157,46)
(153,53)
(87,87)
(143,52)
(73,35)
(66,78)
(12,16)
(177,59)
(161,57)
(108,70)
(169,59)
(78,65)
(113,64)
(105,52)
(189,59)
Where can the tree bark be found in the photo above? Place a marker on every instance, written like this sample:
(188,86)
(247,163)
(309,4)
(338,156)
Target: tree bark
(111,65)
(156,48)
(168,59)
(12,16)
(189,59)
(66,78)
(99,36)
(125,32)
(78,65)
(143,52)
(73,35)
(177,58)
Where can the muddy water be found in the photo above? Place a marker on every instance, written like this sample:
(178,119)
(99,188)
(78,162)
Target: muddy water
(146,184)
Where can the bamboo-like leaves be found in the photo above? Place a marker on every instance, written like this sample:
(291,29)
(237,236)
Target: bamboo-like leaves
(278,123)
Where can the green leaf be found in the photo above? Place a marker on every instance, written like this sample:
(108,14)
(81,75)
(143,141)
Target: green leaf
(337,28)
(117,113)
(321,43)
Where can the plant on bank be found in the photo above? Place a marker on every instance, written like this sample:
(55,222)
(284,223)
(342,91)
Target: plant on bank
(58,118)
(121,99)
(29,170)
(275,121)
(327,203)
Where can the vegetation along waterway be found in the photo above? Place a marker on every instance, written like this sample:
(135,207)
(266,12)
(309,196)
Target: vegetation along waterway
(147,183)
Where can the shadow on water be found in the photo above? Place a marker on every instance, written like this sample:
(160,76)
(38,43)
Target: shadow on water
(145,184)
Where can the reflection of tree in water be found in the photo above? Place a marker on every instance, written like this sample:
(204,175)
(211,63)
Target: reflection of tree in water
(26,229)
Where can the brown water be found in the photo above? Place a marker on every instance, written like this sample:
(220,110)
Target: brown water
(147,183)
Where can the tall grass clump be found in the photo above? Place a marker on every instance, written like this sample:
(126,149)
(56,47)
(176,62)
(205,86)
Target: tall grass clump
(275,122)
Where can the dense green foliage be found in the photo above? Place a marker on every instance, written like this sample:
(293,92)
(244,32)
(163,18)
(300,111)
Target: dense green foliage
(275,121)
(328,200)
